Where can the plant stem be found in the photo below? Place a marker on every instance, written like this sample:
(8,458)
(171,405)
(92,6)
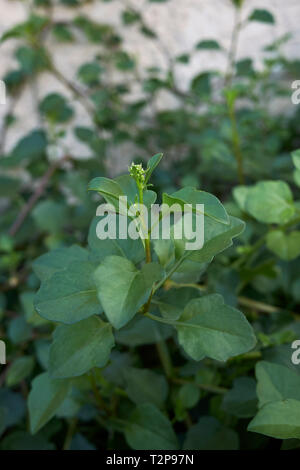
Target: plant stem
(233,46)
(35,196)
(147,240)
(165,358)
(99,399)
(70,433)
(206,387)
(236,143)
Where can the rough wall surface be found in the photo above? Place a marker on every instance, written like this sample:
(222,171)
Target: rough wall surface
(179,24)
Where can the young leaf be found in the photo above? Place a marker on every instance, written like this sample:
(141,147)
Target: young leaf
(70,295)
(78,348)
(148,428)
(122,289)
(209,328)
(152,164)
(44,399)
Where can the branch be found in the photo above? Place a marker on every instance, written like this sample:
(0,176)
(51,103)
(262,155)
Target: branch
(35,197)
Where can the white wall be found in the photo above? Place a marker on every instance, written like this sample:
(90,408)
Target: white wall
(179,24)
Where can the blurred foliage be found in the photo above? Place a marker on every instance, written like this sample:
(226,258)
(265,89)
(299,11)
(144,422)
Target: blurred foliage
(225,134)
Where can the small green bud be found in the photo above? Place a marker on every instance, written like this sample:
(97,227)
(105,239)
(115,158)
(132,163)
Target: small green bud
(137,172)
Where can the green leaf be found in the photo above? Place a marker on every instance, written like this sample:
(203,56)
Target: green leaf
(263,16)
(44,399)
(55,108)
(19,331)
(212,207)
(296,176)
(31,147)
(217,237)
(58,260)
(270,202)
(78,348)
(241,400)
(21,440)
(188,395)
(145,386)
(122,289)
(149,429)
(152,164)
(69,296)
(210,44)
(296,158)
(209,434)
(284,245)
(108,188)
(142,330)
(88,73)
(20,369)
(276,382)
(130,16)
(128,248)
(279,419)
(172,303)
(201,85)
(209,328)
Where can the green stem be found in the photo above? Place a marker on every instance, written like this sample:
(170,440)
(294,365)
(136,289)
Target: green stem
(169,274)
(206,387)
(70,433)
(147,240)
(165,358)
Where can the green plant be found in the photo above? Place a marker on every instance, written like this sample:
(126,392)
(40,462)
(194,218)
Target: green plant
(123,364)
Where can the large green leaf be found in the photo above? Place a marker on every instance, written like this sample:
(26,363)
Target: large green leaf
(78,348)
(149,429)
(123,289)
(70,295)
(279,419)
(210,328)
(44,399)
(270,202)
(58,260)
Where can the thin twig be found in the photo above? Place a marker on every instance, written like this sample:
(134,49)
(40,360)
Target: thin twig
(35,197)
